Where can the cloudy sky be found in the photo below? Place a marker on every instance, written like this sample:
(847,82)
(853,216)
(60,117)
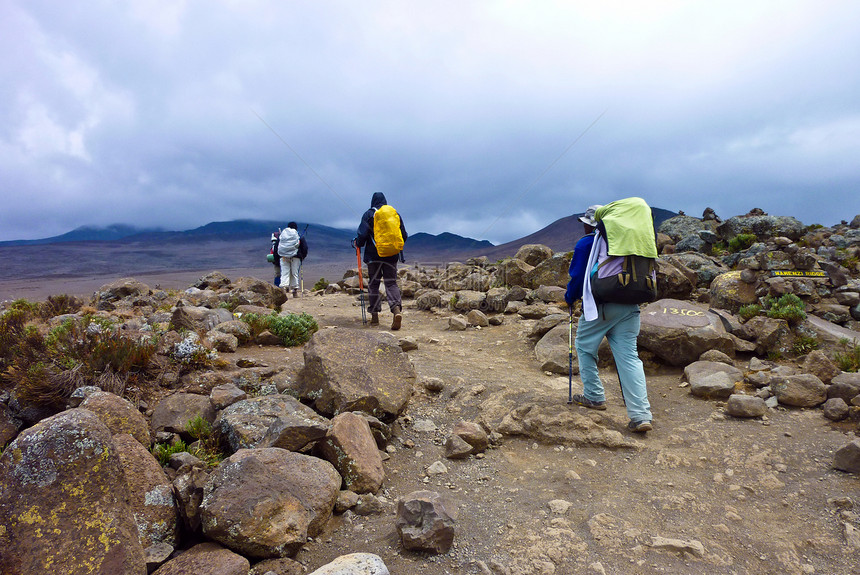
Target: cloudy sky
(487,119)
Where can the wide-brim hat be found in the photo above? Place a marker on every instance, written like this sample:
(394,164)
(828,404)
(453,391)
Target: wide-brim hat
(588,216)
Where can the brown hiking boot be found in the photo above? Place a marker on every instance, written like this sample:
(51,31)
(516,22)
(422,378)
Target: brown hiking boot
(295,293)
(374,319)
(398,318)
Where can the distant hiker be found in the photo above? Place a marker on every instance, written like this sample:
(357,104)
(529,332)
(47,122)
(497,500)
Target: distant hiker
(628,223)
(382,235)
(274,258)
(292,249)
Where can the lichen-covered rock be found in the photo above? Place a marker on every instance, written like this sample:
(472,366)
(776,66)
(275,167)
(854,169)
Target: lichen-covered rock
(729,291)
(63,501)
(266,502)
(803,390)
(119,415)
(150,494)
(270,421)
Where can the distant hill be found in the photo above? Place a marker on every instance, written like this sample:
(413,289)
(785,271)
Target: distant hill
(561,235)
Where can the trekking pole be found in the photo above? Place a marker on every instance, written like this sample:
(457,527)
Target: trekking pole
(360,283)
(302,263)
(570,355)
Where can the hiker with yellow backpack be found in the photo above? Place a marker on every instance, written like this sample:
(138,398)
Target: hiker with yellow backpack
(382,235)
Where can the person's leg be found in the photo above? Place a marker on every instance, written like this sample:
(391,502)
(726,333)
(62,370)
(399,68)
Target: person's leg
(294,274)
(631,374)
(285,273)
(589,334)
(374,272)
(392,291)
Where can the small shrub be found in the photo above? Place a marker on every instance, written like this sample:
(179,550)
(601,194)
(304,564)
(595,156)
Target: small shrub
(191,353)
(850,360)
(59,305)
(741,242)
(747,312)
(774,355)
(293,329)
(199,428)
(804,344)
(719,249)
(321,284)
(788,307)
(162,451)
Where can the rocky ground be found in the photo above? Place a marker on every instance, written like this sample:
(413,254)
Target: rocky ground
(702,493)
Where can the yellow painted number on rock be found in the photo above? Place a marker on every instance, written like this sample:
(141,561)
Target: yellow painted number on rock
(676,311)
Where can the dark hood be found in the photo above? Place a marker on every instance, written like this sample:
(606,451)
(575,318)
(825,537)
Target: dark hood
(378,200)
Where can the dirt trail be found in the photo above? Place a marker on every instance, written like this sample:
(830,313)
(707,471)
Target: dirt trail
(725,495)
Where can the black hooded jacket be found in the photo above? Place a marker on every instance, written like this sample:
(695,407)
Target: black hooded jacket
(364,239)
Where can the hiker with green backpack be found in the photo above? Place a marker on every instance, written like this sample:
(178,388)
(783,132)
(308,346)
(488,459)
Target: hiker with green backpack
(382,235)
(612,272)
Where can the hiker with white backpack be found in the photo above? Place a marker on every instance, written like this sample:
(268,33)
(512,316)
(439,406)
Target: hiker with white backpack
(612,271)
(382,235)
(292,250)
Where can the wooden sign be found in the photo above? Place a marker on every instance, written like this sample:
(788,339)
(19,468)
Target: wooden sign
(798,274)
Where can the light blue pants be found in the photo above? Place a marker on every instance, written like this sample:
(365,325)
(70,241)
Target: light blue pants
(619,323)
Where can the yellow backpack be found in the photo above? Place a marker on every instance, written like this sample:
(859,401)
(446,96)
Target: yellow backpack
(386,231)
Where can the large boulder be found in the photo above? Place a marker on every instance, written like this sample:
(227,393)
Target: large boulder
(553,350)
(248,290)
(672,282)
(349,446)
(802,390)
(199,319)
(680,227)
(173,412)
(151,494)
(353,370)
(533,254)
(119,415)
(704,267)
(512,272)
(206,559)
(354,564)
(729,291)
(678,332)
(270,421)
(63,501)
(553,271)
(466,300)
(426,521)
(267,502)
(108,294)
(763,226)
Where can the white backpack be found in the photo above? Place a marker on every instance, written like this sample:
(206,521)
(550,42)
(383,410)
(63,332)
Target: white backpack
(288,243)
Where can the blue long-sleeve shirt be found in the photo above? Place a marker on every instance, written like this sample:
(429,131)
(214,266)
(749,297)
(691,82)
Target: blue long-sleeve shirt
(577,268)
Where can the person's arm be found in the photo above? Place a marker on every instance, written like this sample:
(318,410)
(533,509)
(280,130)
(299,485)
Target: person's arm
(577,270)
(365,229)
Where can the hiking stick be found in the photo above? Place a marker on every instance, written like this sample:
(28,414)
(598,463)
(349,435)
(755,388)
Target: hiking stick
(360,284)
(570,356)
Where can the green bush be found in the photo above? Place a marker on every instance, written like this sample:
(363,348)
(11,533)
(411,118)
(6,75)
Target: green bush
(59,305)
(741,242)
(747,312)
(293,329)
(162,451)
(199,428)
(804,344)
(850,360)
(321,284)
(788,307)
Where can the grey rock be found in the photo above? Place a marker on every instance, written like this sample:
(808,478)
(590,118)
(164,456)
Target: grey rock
(426,521)
(745,406)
